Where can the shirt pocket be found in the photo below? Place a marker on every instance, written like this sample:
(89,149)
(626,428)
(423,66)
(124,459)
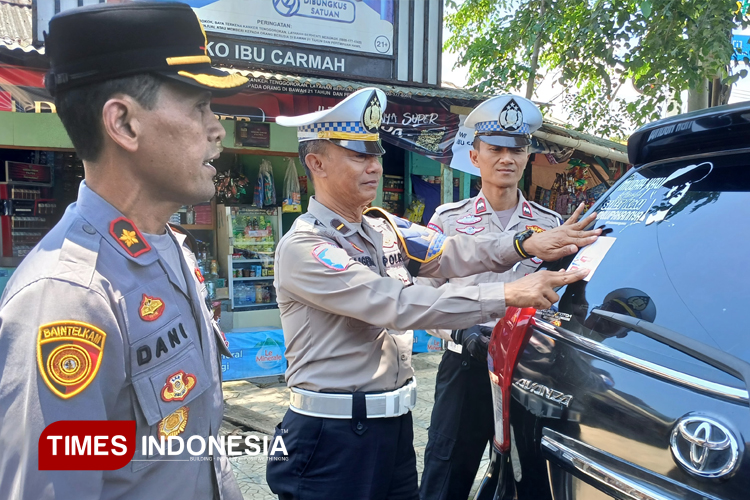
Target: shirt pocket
(172,387)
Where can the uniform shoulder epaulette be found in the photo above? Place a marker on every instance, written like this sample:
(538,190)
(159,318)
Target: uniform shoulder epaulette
(192,243)
(307,223)
(452,206)
(545,210)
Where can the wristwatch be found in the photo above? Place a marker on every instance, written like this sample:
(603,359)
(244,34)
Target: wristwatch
(518,240)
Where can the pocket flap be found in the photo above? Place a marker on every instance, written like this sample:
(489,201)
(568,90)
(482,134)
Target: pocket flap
(163,389)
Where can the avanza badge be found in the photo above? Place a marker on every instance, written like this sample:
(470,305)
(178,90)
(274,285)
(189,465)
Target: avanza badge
(178,386)
(68,355)
(151,308)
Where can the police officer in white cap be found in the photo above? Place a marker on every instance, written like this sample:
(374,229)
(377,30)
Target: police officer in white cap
(345,290)
(462,422)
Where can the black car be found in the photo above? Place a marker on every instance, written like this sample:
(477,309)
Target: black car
(634,384)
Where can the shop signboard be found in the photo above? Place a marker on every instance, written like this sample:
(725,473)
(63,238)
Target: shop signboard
(296,59)
(27,173)
(252,135)
(364,26)
(394,41)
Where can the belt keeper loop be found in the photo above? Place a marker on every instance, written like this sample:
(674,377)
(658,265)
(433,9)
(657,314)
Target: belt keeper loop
(359,413)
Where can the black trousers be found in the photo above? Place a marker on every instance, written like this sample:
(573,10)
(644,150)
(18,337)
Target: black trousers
(461,425)
(352,459)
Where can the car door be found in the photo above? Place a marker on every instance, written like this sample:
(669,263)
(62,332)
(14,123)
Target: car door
(600,409)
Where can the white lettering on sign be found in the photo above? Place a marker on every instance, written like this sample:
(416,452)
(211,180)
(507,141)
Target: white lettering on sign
(222,49)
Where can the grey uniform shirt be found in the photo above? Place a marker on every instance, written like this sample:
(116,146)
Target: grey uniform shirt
(473,217)
(155,327)
(348,305)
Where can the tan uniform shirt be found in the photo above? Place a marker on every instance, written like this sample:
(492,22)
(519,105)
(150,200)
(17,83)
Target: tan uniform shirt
(347,302)
(474,216)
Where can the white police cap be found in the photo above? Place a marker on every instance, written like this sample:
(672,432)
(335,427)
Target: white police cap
(506,120)
(352,124)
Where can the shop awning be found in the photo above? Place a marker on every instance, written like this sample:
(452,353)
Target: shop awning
(349,86)
(16,26)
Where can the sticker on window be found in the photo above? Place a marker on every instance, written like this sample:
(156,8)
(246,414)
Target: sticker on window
(591,256)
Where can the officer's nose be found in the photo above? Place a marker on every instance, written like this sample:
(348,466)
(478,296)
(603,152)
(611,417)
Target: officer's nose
(216,132)
(374,165)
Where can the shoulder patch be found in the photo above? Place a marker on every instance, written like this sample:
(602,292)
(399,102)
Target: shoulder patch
(451,206)
(128,236)
(69,354)
(331,256)
(420,243)
(435,227)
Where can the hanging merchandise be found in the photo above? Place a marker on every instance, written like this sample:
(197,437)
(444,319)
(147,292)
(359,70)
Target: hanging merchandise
(265,190)
(291,201)
(231,186)
(415,211)
(269,189)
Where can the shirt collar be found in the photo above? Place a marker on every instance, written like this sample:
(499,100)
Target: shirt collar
(329,218)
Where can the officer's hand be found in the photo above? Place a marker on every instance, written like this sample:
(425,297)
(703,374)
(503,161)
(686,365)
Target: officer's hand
(537,290)
(564,240)
(473,341)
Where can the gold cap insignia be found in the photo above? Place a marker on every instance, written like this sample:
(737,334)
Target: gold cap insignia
(373,114)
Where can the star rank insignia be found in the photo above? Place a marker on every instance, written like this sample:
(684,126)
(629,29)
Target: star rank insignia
(178,386)
(174,424)
(129,237)
(151,308)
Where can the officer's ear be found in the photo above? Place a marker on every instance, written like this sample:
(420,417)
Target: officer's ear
(473,156)
(119,119)
(315,161)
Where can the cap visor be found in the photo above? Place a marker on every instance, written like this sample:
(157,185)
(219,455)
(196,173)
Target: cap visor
(366,147)
(505,141)
(219,83)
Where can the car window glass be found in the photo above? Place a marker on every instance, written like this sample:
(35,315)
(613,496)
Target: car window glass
(679,260)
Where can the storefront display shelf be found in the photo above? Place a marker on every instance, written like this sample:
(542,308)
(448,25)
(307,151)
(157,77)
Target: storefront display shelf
(241,261)
(199,227)
(247,307)
(261,278)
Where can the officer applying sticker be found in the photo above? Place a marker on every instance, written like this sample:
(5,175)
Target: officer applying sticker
(462,421)
(348,302)
(105,319)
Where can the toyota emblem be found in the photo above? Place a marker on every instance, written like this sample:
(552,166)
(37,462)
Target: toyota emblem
(704,447)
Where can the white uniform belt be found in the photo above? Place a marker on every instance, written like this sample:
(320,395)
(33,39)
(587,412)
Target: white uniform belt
(457,348)
(333,405)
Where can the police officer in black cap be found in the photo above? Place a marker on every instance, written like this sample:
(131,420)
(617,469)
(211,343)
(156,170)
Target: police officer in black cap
(105,319)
